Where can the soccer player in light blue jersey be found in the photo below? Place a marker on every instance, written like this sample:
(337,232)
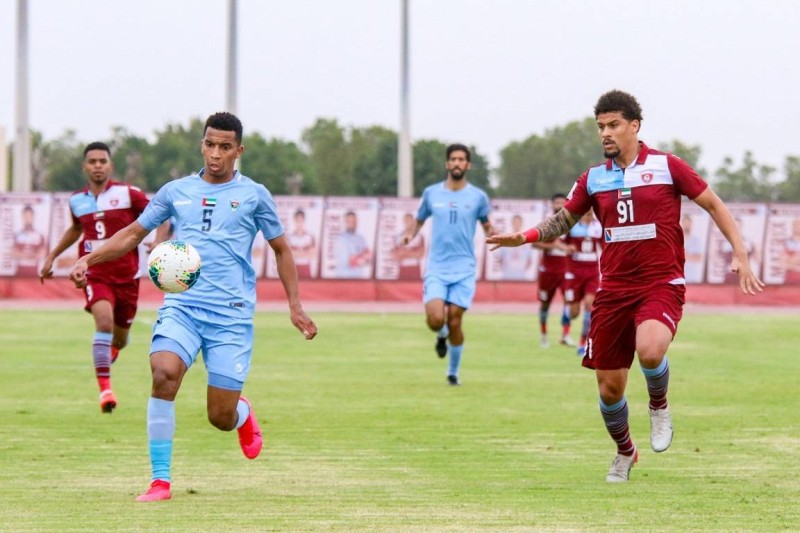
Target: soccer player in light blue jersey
(455,206)
(219,212)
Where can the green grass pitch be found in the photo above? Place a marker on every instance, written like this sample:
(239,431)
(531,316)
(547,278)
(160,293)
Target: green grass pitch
(363,434)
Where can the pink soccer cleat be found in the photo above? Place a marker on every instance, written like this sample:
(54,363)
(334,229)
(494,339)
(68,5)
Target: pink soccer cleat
(108,401)
(250,438)
(159,490)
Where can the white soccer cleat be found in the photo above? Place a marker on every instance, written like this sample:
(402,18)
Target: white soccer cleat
(544,343)
(660,429)
(567,341)
(621,467)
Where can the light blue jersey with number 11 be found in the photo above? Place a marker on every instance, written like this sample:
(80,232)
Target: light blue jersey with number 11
(221,222)
(455,215)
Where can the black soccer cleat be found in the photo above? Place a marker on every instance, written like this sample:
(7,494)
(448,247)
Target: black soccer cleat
(453,380)
(441,347)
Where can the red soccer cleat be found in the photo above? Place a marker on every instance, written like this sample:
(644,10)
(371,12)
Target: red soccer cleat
(107,401)
(114,354)
(159,490)
(250,438)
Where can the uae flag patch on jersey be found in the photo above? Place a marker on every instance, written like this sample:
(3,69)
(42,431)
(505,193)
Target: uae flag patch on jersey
(209,202)
(623,193)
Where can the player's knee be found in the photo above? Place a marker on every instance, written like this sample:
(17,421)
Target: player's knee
(220,418)
(435,322)
(165,382)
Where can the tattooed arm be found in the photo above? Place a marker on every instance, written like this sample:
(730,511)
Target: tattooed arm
(550,229)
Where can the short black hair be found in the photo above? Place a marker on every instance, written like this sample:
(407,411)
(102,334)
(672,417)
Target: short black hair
(458,148)
(558,195)
(300,213)
(226,122)
(97,145)
(619,101)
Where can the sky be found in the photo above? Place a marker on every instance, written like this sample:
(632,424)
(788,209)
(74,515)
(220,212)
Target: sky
(722,74)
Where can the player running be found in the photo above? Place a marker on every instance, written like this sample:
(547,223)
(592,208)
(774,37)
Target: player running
(219,211)
(99,211)
(636,195)
(455,206)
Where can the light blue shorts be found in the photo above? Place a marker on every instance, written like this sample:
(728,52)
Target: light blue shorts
(226,342)
(460,292)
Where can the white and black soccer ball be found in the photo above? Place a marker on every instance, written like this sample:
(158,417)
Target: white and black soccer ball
(174,266)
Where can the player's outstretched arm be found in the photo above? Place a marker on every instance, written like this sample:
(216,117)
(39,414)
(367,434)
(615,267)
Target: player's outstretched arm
(553,227)
(287,272)
(118,245)
(722,217)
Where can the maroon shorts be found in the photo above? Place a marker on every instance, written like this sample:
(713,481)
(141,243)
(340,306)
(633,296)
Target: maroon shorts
(549,282)
(616,315)
(576,286)
(122,297)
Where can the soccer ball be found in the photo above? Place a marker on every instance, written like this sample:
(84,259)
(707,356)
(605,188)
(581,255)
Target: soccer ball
(174,266)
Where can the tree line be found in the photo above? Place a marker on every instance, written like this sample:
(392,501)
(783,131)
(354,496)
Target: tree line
(333,159)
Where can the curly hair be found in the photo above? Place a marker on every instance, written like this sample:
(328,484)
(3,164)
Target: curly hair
(619,101)
(458,148)
(226,122)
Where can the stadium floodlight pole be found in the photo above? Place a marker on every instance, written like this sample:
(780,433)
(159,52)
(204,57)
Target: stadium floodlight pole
(405,166)
(22,141)
(230,77)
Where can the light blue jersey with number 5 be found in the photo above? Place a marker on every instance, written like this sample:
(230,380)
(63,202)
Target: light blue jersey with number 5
(221,222)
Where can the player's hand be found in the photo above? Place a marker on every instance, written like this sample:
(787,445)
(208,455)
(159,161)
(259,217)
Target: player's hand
(505,239)
(748,281)
(407,239)
(78,274)
(304,324)
(46,271)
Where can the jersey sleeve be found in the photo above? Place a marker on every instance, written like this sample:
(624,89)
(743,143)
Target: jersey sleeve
(158,209)
(266,215)
(686,181)
(424,210)
(578,199)
(484,208)
(139,200)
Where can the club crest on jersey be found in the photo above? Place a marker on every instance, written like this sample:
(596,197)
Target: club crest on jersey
(114,202)
(234,205)
(623,193)
(647,176)
(209,202)
(453,205)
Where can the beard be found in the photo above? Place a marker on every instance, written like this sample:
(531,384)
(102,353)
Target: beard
(458,174)
(611,154)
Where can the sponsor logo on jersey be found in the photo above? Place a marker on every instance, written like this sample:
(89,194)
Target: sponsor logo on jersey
(182,202)
(234,205)
(209,202)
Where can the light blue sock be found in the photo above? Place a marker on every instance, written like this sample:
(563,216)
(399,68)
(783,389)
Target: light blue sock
(160,432)
(565,318)
(444,332)
(455,359)
(243,410)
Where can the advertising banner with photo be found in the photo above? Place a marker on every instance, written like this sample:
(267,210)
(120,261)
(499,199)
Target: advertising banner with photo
(394,259)
(751,220)
(301,217)
(695,222)
(519,263)
(24,226)
(782,255)
(348,237)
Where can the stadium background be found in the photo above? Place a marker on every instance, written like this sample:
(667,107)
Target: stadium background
(771,232)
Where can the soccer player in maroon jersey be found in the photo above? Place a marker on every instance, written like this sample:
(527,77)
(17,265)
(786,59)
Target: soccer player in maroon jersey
(583,272)
(552,269)
(101,209)
(636,196)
